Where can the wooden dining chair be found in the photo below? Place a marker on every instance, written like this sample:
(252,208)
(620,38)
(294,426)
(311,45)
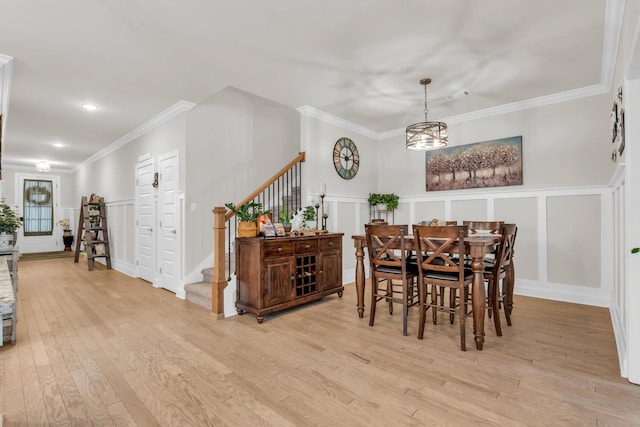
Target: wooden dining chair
(499,276)
(439,270)
(392,277)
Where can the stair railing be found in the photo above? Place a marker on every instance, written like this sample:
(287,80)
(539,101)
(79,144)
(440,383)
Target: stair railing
(285,185)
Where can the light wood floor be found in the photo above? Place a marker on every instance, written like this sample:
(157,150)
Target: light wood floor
(100,348)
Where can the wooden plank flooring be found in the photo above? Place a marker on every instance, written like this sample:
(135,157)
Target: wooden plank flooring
(100,348)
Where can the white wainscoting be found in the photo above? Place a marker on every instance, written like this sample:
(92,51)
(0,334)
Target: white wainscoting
(540,286)
(121,228)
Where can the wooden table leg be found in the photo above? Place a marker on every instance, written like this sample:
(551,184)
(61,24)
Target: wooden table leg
(360,280)
(479,299)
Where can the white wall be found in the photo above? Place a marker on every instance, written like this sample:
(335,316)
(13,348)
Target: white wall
(235,142)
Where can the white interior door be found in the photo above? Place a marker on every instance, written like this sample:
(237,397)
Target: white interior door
(46,243)
(146,220)
(169,226)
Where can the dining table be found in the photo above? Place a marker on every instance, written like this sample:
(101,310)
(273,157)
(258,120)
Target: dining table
(476,246)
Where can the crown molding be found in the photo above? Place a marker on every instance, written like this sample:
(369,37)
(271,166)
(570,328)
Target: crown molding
(613,18)
(502,109)
(31,169)
(308,111)
(176,109)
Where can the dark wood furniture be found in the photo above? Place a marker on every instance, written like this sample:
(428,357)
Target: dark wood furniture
(502,271)
(475,245)
(392,280)
(436,267)
(274,274)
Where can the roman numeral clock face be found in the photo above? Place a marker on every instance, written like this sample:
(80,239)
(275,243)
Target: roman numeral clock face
(346,158)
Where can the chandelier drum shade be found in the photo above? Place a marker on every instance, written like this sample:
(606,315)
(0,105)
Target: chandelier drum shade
(43,167)
(426,135)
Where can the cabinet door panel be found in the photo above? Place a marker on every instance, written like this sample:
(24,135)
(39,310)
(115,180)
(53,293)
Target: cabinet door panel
(279,285)
(330,270)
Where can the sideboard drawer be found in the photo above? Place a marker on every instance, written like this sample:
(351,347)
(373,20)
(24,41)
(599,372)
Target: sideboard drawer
(306,246)
(273,249)
(328,244)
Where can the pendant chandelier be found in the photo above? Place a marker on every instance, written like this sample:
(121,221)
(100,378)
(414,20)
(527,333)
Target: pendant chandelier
(43,167)
(426,135)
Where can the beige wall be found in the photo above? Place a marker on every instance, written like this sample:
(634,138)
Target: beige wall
(236,141)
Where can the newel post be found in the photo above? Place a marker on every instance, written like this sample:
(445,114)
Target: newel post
(219,276)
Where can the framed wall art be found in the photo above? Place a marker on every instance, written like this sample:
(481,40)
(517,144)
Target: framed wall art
(494,163)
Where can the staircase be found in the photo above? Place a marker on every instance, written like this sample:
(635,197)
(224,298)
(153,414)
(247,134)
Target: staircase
(200,292)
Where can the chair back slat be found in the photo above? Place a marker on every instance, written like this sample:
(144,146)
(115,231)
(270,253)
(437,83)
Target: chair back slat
(435,246)
(386,245)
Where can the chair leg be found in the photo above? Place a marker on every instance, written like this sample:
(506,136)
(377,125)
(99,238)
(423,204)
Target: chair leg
(434,303)
(390,295)
(494,305)
(452,305)
(506,301)
(463,336)
(490,292)
(405,305)
(422,300)
(374,299)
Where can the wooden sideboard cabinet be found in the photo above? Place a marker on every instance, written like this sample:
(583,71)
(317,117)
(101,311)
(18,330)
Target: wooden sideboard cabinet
(274,274)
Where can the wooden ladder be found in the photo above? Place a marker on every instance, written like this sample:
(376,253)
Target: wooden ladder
(93,222)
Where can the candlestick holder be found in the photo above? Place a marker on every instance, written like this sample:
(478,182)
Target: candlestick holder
(317,206)
(324,215)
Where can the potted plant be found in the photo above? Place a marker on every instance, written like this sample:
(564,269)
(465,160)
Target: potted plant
(247,215)
(285,216)
(9,223)
(67,237)
(309,218)
(384,202)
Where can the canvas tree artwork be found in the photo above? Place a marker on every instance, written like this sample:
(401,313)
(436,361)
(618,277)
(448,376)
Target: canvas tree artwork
(494,163)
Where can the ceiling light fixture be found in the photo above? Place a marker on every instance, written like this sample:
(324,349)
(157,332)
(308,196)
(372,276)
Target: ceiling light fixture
(43,167)
(426,135)
(90,107)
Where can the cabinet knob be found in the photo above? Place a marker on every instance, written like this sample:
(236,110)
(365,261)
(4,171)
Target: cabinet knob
(307,246)
(279,249)
(320,272)
(330,243)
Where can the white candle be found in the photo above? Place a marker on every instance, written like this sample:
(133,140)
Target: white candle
(323,189)
(325,209)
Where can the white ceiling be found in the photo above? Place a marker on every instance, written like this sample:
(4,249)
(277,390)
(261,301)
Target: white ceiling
(358,60)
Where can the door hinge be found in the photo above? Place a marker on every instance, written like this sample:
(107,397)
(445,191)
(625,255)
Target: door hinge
(160,270)
(137,263)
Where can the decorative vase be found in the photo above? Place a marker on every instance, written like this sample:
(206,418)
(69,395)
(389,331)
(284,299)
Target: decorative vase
(6,240)
(247,229)
(67,238)
(287,227)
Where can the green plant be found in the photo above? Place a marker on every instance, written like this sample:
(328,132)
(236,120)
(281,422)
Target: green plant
(309,214)
(249,212)
(9,221)
(390,199)
(374,199)
(285,216)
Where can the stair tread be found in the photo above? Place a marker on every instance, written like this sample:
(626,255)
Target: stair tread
(199,288)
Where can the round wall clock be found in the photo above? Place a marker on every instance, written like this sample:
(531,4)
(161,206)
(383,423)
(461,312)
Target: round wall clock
(346,158)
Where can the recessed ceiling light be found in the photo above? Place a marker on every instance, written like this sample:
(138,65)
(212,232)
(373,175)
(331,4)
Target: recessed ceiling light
(90,107)
(58,144)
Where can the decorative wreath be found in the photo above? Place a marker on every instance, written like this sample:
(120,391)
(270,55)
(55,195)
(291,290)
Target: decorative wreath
(39,196)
